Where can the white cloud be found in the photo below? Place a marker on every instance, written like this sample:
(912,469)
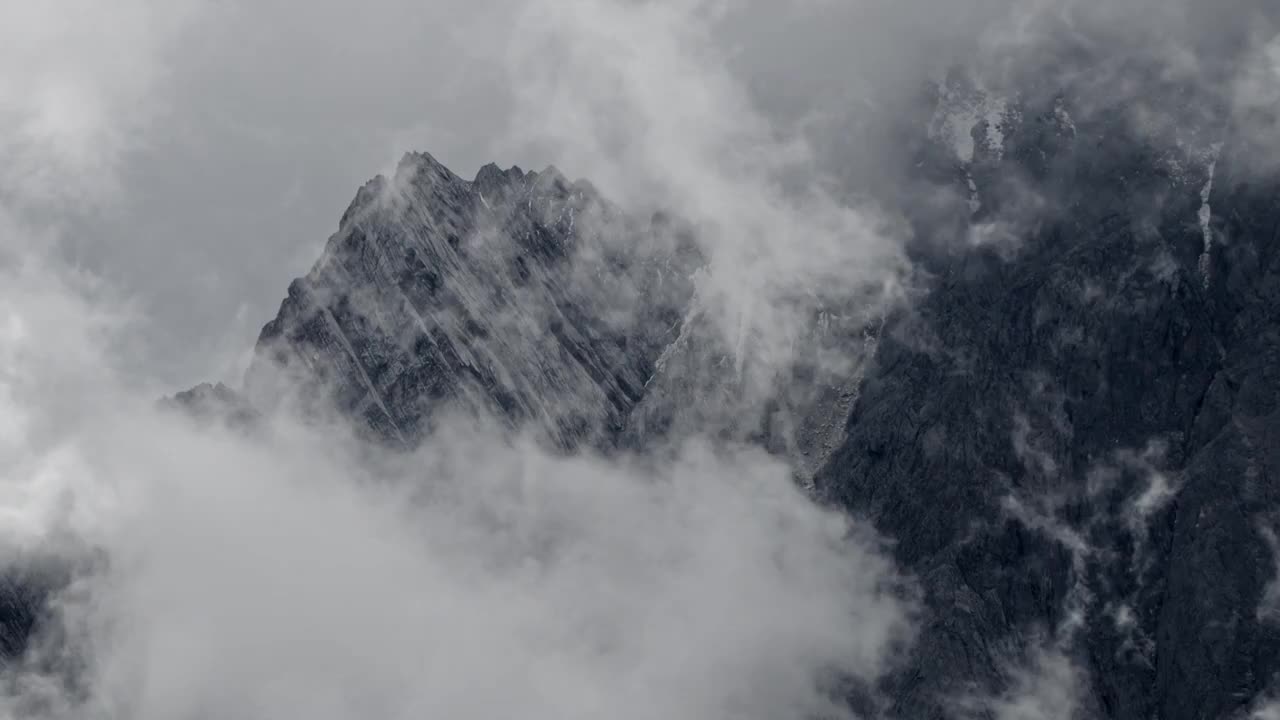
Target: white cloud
(77,83)
(1266,711)
(1050,688)
(641,99)
(284,574)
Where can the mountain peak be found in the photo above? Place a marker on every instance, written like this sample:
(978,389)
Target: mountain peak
(492,180)
(497,296)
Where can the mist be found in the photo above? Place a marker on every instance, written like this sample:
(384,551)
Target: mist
(286,571)
(168,166)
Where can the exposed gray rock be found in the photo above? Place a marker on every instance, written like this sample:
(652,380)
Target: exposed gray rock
(21,607)
(214,402)
(522,296)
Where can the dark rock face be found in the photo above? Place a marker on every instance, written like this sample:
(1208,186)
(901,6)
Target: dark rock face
(1072,438)
(21,607)
(27,584)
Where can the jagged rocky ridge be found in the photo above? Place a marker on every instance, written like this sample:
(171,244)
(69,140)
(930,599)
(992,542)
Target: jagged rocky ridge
(1071,437)
(522,296)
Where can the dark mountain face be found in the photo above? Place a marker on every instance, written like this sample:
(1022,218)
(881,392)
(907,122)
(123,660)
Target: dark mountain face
(1070,436)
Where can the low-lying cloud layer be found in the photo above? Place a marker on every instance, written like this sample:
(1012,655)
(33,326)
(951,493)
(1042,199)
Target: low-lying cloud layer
(239,580)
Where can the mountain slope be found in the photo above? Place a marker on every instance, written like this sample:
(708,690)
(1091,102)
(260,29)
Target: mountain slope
(1072,439)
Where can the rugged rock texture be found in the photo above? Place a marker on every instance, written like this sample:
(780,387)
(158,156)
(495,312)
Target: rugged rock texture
(1072,438)
(21,604)
(27,583)
(532,300)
